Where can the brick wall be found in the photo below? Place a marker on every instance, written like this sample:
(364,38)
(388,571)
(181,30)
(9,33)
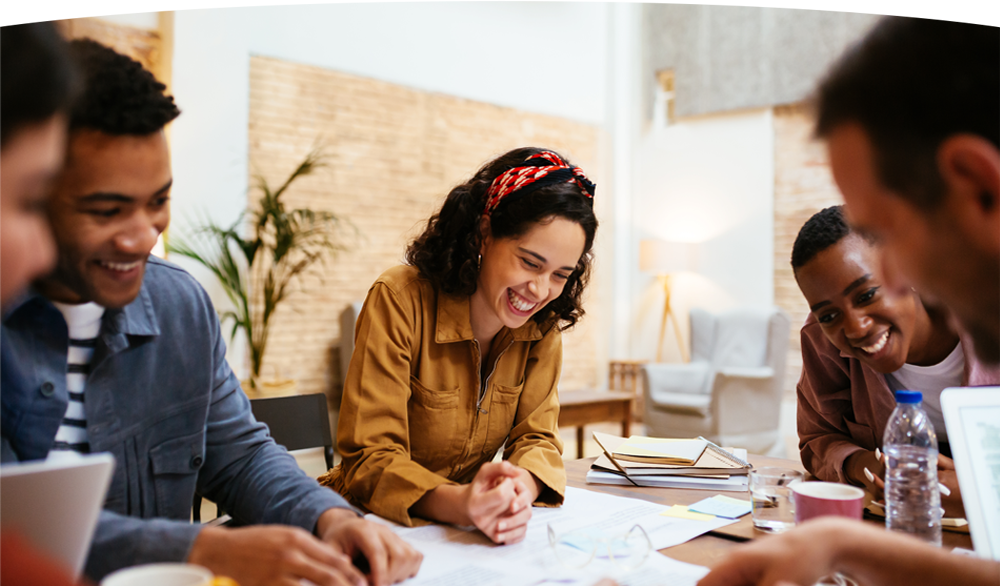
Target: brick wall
(393,153)
(145,46)
(803,186)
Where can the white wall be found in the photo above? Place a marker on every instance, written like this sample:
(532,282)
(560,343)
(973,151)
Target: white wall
(536,56)
(707,180)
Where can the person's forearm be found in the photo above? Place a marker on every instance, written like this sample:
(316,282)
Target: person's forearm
(891,559)
(446,504)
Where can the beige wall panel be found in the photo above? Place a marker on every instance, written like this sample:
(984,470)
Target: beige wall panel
(393,153)
(803,186)
(145,46)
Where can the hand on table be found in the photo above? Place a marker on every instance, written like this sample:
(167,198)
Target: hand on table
(498,501)
(800,556)
(389,558)
(268,555)
(947,476)
(951,495)
(854,470)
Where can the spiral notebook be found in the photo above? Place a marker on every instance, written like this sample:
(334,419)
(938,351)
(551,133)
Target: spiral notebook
(714,461)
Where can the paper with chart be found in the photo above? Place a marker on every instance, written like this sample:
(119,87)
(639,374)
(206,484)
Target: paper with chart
(460,557)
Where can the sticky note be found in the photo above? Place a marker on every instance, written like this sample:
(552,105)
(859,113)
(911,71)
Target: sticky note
(722,506)
(682,512)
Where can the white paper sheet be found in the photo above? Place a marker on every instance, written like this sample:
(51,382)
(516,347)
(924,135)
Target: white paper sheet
(467,557)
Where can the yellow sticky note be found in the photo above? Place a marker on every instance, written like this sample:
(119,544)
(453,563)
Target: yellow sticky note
(682,512)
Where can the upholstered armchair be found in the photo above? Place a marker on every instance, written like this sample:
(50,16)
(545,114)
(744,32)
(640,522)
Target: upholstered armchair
(731,390)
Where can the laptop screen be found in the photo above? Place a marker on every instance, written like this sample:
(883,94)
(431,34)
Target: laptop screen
(972,416)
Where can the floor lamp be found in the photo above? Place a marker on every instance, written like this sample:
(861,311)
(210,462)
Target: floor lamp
(665,259)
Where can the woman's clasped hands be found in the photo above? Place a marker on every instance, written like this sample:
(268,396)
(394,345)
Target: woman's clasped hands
(498,501)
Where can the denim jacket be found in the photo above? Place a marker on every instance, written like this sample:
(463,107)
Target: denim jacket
(161,398)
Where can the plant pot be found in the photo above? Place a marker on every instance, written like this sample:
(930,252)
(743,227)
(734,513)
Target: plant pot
(271,388)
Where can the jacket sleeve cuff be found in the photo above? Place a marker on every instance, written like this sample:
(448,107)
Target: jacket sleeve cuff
(306,513)
(399,488)
(838,456)
(547,466)
(121,541)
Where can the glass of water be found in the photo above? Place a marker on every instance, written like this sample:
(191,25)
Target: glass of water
(770,489)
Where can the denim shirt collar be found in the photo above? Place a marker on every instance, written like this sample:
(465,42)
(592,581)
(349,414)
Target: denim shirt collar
(135,319)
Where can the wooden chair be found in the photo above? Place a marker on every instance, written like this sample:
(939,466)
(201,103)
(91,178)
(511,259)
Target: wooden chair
(297,422)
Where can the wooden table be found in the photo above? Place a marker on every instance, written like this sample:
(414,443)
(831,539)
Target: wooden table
(578,408)
(712,547)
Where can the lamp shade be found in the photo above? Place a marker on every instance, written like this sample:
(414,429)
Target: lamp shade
(664,257)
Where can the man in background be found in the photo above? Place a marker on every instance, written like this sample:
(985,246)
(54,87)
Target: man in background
(911,117)
(126,356)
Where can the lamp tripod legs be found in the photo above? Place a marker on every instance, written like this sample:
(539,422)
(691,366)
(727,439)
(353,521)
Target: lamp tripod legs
(668,312)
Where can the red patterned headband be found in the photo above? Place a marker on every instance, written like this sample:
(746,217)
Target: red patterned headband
(540,170)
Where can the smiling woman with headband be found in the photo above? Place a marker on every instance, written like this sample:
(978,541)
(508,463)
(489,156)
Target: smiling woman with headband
(458,353)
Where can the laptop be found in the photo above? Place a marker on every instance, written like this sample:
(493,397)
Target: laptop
(972,417)
(54,505)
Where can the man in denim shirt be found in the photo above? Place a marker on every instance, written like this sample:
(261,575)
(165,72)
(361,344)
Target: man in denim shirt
(154,389)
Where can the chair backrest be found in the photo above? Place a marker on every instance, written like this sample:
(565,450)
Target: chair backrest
(780,324)
(702,335)
(297,422)
(741,337)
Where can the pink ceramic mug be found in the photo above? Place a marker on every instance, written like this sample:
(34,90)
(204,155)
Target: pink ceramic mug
(816,499)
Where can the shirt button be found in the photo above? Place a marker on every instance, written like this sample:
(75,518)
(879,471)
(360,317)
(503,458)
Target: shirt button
(48,389)
(196,461)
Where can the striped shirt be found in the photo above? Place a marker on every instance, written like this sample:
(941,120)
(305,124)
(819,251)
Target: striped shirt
(84,323)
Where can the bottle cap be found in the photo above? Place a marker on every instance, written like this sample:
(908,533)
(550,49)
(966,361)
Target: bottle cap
(909,397)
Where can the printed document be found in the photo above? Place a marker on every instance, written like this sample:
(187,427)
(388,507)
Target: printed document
(467,557)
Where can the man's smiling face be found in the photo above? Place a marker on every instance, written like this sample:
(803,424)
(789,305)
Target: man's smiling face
(109,207)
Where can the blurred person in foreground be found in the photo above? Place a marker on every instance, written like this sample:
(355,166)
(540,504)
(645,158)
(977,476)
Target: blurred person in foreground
(919,167)
(36,85)
(126,356)
(862,341)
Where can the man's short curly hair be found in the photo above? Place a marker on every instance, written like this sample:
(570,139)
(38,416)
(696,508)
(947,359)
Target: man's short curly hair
(119,95)
(447,251)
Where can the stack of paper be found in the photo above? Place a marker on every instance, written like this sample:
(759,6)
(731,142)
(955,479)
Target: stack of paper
(712,468)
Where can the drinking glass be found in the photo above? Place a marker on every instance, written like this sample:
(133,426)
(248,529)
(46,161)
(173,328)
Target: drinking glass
(770,491)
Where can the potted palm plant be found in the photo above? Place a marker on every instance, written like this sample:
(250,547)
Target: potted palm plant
(257,271)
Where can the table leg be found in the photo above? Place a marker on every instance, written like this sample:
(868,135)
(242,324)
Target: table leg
(579,442)
(627,423)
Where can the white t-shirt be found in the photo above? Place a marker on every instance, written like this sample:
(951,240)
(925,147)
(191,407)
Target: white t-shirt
(931,380)
(84,323)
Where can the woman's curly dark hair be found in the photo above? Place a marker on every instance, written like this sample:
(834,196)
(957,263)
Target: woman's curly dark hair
(120,97)
(447,251)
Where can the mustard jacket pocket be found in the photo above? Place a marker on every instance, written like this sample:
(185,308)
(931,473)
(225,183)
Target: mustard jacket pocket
(435,414)
(501,411)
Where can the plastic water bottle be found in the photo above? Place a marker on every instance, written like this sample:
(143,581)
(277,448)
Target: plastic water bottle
(913,504)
